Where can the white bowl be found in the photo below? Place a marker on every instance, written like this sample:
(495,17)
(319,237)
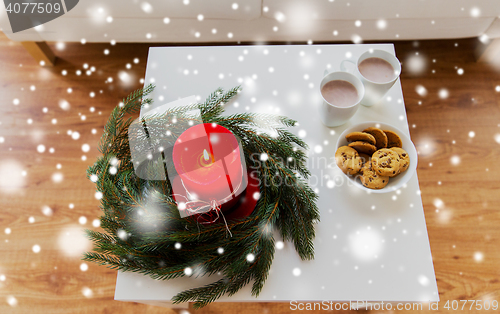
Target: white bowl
(396,182)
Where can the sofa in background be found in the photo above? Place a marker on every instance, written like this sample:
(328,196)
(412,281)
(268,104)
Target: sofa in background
(261,21)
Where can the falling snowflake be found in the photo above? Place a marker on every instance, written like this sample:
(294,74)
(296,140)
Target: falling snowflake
(381,24)
(250,257)
(64,105)
(484,38)
(146,7)
(365,244)
(125,77)
(280,245)
(443,93)
(87,292)
(256,196)
(416,64)
(478,256)
(47,211)
(280,17)
(36,248)
(122,234)
(455,160)
(57,177)
(423,280)
(475,12)
(356,39)
(75,135)
(296,272)
(12,301)
(421,90)
(497,138)
(438,203)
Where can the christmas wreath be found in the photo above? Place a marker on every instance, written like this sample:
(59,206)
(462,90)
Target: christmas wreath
(162,244)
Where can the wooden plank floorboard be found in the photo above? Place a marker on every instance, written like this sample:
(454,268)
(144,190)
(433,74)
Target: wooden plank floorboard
(51,281)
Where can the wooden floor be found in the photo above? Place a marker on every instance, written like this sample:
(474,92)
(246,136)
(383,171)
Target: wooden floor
(46,200)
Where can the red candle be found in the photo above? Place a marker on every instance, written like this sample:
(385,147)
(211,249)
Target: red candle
(208,160)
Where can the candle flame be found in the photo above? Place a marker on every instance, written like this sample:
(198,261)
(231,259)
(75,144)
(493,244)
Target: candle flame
(205,155)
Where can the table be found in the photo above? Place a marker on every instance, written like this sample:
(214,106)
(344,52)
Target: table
(371,247)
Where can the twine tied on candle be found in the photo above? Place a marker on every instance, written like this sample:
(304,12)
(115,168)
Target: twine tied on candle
(196,206)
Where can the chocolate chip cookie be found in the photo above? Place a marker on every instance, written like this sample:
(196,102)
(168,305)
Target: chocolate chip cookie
(365,158)
(386,162)
(404,158)
(348,160)
(360,136)
(393,140)
(371,179)
(363,147)
(379,135)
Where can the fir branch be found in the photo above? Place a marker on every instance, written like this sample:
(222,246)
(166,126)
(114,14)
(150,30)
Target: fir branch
(147,213)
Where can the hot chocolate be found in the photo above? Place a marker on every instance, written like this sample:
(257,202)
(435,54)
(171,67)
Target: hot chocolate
(377,70)
(340,93)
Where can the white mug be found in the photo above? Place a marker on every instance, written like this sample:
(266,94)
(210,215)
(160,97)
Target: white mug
(332,115)
(375,91)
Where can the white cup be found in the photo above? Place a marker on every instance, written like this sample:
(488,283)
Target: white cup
(332,115)
(375,91)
